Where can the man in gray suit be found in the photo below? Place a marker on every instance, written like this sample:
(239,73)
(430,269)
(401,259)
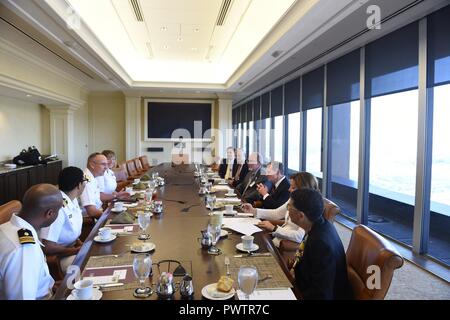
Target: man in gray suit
(256,175)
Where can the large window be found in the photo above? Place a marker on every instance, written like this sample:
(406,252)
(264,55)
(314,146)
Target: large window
(251,137)
(239,135)
(314,141)
(293,147)
(266,142)
(393,153)
(439,244)
(279,138)
(344,156)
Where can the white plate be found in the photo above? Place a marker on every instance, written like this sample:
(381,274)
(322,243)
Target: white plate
(130,205)
(232,213)
(212,286)
(96,295)
(222,183)
(98,239)
(117,210)
(240,247)
(143,247)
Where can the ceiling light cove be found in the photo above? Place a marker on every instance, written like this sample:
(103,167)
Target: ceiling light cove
(182,41)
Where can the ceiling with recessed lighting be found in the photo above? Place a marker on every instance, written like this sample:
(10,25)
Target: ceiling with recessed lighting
(187,41)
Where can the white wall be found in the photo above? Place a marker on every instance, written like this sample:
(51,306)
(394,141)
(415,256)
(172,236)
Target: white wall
(22,124)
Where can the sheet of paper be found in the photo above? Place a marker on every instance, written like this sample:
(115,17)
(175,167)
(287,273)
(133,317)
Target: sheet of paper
(103,279)
(229,200)
(244,228)
(253,221)
(120,274)
(221,188)
(269,294)
(241,214)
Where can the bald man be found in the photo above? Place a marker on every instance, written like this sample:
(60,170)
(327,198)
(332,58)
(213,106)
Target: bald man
(24,273)
(90,198)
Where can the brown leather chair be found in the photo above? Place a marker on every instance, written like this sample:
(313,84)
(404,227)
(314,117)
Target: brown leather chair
(8,209)
(288,248)
(138,165)
(121,177)
(368,248)
(131,168)
(144,162)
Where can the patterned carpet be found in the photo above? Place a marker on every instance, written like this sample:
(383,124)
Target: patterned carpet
(410,282)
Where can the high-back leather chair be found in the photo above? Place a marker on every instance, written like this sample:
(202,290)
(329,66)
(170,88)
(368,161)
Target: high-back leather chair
(138,165)
(367,248)
(331,210)
(121,176)
(7,209)
(131,168)
(144,162)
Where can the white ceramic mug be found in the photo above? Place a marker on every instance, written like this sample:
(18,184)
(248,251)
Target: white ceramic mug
(118,206)
(83,289)
(247,242)
(128,189)
(229,208)
(104,233)
(136,181)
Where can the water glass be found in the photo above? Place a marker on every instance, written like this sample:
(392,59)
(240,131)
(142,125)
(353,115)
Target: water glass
(247,280)
(144,222)
(142,266)
(214,230)
(211,202)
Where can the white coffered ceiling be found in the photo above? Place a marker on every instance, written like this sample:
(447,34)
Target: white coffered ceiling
(184,41)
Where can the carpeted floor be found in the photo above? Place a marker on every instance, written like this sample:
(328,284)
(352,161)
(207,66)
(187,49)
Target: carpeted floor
(410,282)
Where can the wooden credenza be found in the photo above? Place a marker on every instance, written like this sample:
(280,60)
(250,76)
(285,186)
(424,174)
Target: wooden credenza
(14,183)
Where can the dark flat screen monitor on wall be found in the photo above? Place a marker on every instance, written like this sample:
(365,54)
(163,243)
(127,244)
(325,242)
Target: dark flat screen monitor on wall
(163,118)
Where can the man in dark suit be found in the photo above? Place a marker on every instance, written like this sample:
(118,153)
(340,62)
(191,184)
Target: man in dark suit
(279,193)
(320,266)
(228,167)
(256,175)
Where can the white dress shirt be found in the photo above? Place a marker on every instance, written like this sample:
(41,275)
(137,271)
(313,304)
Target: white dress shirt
(24,273)
(107,183)
(276,186)
(288,231)
(91,193)
(67,227)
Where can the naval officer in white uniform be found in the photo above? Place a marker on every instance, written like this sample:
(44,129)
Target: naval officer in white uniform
(61,237)
(24,273)
(108,183)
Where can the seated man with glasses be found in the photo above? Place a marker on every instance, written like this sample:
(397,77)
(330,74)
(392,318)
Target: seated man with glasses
(320,266)
(61,237)
(90,198)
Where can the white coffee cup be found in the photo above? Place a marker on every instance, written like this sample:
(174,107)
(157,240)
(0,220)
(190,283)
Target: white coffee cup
(229,208)
(223,181)
(136,181)
(118,206)
(247,242)
(83,289)
(231,192)
(128,189)
(104,233)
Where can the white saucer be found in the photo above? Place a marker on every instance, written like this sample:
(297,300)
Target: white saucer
(232,213)
(223,233)
(98,239)
(130,205)
(96,295)
(240,247)
(223,295)
(222,183)
(230,194)
(117,210)
(143,247)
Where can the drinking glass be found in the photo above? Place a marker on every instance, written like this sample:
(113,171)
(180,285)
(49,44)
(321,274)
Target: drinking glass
(142,266)
(247,280)
(211,202)
(144,222)
(214,230)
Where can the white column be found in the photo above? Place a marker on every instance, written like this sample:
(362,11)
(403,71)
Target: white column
(225,138)
(62,133)
(132,127)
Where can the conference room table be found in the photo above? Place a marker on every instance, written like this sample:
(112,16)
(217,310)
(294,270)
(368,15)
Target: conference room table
(176,233)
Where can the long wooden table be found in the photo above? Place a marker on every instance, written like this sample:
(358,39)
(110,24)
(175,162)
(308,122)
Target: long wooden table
(175,234)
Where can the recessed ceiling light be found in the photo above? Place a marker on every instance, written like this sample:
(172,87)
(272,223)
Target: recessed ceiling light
(71,44)
(163,28)
(196,29)
(240,83)
(194,49)
(277,53)
(28,95)
(179,39)
(166,46)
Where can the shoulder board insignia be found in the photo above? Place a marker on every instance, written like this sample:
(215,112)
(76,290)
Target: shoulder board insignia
(65,203)
(87,178)
(25,236)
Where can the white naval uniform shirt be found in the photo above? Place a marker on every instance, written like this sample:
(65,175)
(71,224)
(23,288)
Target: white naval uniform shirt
(24,273)
(67,227)
(107,183)
(91,193)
